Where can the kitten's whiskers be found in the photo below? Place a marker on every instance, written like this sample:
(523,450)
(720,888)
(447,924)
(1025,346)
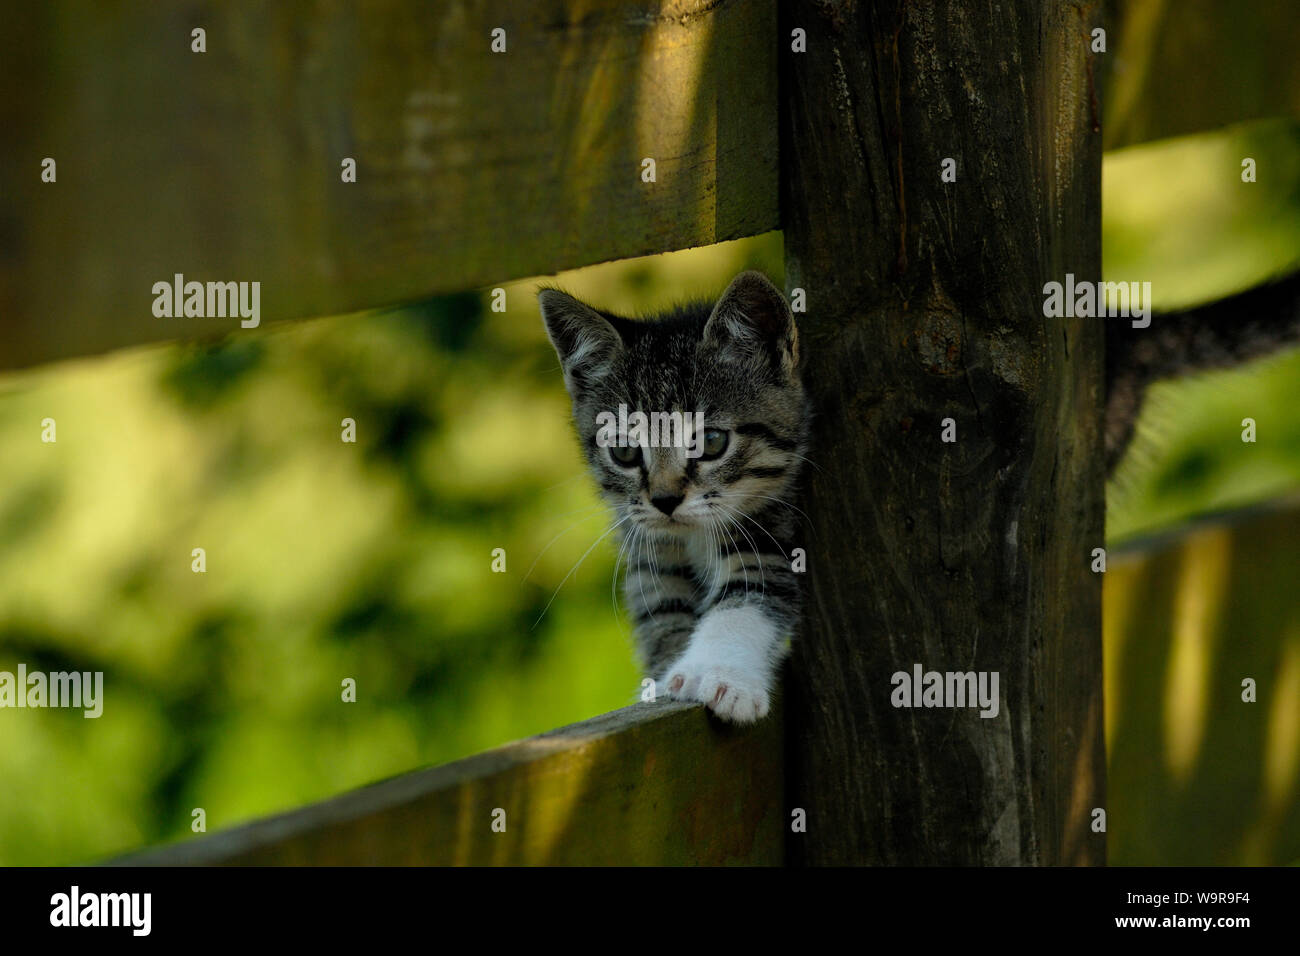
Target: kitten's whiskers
(578,565)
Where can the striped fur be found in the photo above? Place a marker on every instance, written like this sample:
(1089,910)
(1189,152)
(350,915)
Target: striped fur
(1214,335)
(710,586)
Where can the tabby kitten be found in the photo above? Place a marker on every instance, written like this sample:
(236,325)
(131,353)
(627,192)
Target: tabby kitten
(1213,335)
(708,535)
(709,582)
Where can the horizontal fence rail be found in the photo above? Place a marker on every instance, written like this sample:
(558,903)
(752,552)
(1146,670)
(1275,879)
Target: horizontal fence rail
(1165,69)
(1202,638)
(473,167)
(662,784)
(666,784)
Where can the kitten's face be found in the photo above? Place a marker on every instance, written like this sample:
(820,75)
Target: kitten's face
(733,363)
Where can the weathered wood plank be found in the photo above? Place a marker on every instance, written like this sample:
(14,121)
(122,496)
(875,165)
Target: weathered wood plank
(1200,776)
(924,304)
(473,167)
(650,784)
(1173,68)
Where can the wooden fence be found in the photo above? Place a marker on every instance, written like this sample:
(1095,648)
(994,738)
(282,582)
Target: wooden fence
(476,167)
(473,168)
(663,784)
(649,784)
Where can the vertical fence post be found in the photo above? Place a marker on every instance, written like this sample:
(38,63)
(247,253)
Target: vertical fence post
(958,492)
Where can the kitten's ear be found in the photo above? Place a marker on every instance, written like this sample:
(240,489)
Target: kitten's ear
(583,338)
(753,319)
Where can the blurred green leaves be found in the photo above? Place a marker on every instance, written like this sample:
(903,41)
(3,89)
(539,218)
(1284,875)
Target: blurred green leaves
(325,560)
(329,560)
(1176,213)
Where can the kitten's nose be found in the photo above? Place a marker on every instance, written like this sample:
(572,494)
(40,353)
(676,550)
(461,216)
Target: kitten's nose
(667,503)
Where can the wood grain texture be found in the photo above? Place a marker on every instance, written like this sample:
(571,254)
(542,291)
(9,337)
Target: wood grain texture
(473,167)
(1174,67)
(655,784)
(925,303)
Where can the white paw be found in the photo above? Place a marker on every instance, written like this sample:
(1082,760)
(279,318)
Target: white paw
(737,694)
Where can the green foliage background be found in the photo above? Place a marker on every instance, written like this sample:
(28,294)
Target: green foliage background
(328,560)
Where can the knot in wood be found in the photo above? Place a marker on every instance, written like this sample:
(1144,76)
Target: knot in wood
(937,341)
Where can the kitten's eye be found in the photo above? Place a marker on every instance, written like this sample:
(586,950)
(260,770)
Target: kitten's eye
(625,455)
(715,442)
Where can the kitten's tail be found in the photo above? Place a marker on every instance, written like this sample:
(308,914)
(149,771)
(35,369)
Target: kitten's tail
(1214,335)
